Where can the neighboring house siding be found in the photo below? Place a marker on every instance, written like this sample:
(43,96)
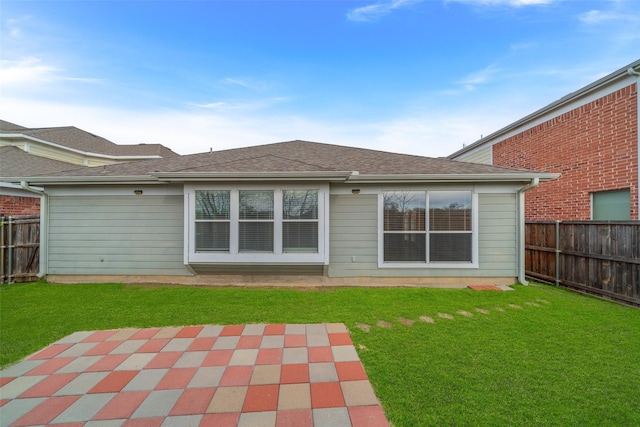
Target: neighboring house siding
(55,154)
(354,239)
(480,156)
(18,205)
(116,235)
(594,146)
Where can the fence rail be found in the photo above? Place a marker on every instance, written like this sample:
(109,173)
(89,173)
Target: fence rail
(600,257)
(19,248)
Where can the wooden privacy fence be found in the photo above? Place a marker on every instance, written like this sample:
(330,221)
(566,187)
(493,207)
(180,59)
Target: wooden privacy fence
(19,248)
(600,257)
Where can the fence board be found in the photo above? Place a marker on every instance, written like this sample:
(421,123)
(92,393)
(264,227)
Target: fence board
(19,248)
(601,257)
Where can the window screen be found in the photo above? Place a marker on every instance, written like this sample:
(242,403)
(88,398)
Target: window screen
(612,205)
(300,221)
(256,221)
(450,226)
(404,226)
(212,221)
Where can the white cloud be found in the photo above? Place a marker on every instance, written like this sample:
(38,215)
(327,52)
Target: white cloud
(598,17)
(26,71)
(374,11)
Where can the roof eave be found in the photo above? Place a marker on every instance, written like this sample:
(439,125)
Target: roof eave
(452,178)
(253,176)
(82,180)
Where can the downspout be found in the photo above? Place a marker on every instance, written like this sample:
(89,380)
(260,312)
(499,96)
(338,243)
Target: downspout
(521,241)
(44,231)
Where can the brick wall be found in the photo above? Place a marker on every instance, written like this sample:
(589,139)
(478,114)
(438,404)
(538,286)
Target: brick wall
(595,147)
(17,206)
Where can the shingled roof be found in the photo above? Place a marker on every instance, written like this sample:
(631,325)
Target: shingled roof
(80,140)
(15,162)
(292,158)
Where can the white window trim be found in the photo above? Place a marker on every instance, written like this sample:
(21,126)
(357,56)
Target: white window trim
(278,256)
(426,264)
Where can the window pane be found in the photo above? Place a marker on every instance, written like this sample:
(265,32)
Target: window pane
(212,236)
(612,205)
(450,211)
(212,204)
(450,247)
(404,211)
(256,204)
(404,247)
(256,237)
(300,237)
(300,204)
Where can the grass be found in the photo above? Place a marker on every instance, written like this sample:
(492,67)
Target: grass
(537,356)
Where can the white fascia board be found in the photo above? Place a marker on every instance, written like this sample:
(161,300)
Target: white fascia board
(83,180)
(76,151)
(486,177)
(253,176)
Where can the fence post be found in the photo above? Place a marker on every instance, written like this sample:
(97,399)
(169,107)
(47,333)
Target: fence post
(10,251)
(557,253)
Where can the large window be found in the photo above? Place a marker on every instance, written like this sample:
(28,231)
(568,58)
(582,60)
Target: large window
(422,227)
(256,225)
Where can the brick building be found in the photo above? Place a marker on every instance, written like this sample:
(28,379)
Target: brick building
(590,137)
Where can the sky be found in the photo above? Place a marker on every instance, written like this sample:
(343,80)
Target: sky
(421,77)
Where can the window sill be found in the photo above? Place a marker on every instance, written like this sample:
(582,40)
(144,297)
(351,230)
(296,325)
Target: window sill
(432,265)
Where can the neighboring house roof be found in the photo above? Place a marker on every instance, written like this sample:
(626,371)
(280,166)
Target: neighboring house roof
(82,141)
(15,162)
(294,160)
(619,75)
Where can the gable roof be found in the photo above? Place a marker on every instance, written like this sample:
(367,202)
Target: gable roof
(293,160)
(15,162)
(82,141)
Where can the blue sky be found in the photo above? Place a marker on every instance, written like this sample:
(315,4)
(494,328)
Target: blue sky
(420,77)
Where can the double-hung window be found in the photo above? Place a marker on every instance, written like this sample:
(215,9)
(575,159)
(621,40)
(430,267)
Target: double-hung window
(427,228)
(256,224)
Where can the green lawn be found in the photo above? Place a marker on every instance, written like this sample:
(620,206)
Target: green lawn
(537,356)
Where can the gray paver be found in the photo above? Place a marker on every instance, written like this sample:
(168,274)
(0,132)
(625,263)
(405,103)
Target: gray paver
(182,421)
(344,353)
(21,368)
(81,384)
(295,355)
(225,343)
(244,357)
(147,379)
(77,350)
(191,359)
(178,344)
(255,329)
(272,341)
(105,423)
(18,386)
(208,376)
(135,362)
(17,408)
(324,372)
(331,417)
(127,347)
(78,365)
(210,331)
(257,419)
(84,408)
(297,329)
(75,337)
(157,404)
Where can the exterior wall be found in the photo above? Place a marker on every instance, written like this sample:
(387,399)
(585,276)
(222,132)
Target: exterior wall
(594,146)
(482,156)
(19,205)
(354,239)
(117,233)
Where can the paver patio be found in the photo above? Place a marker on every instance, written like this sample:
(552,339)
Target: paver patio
(236,375)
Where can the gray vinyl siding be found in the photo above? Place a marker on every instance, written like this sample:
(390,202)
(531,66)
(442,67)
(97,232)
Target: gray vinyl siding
(480,156)
(116,235)
(354,239)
